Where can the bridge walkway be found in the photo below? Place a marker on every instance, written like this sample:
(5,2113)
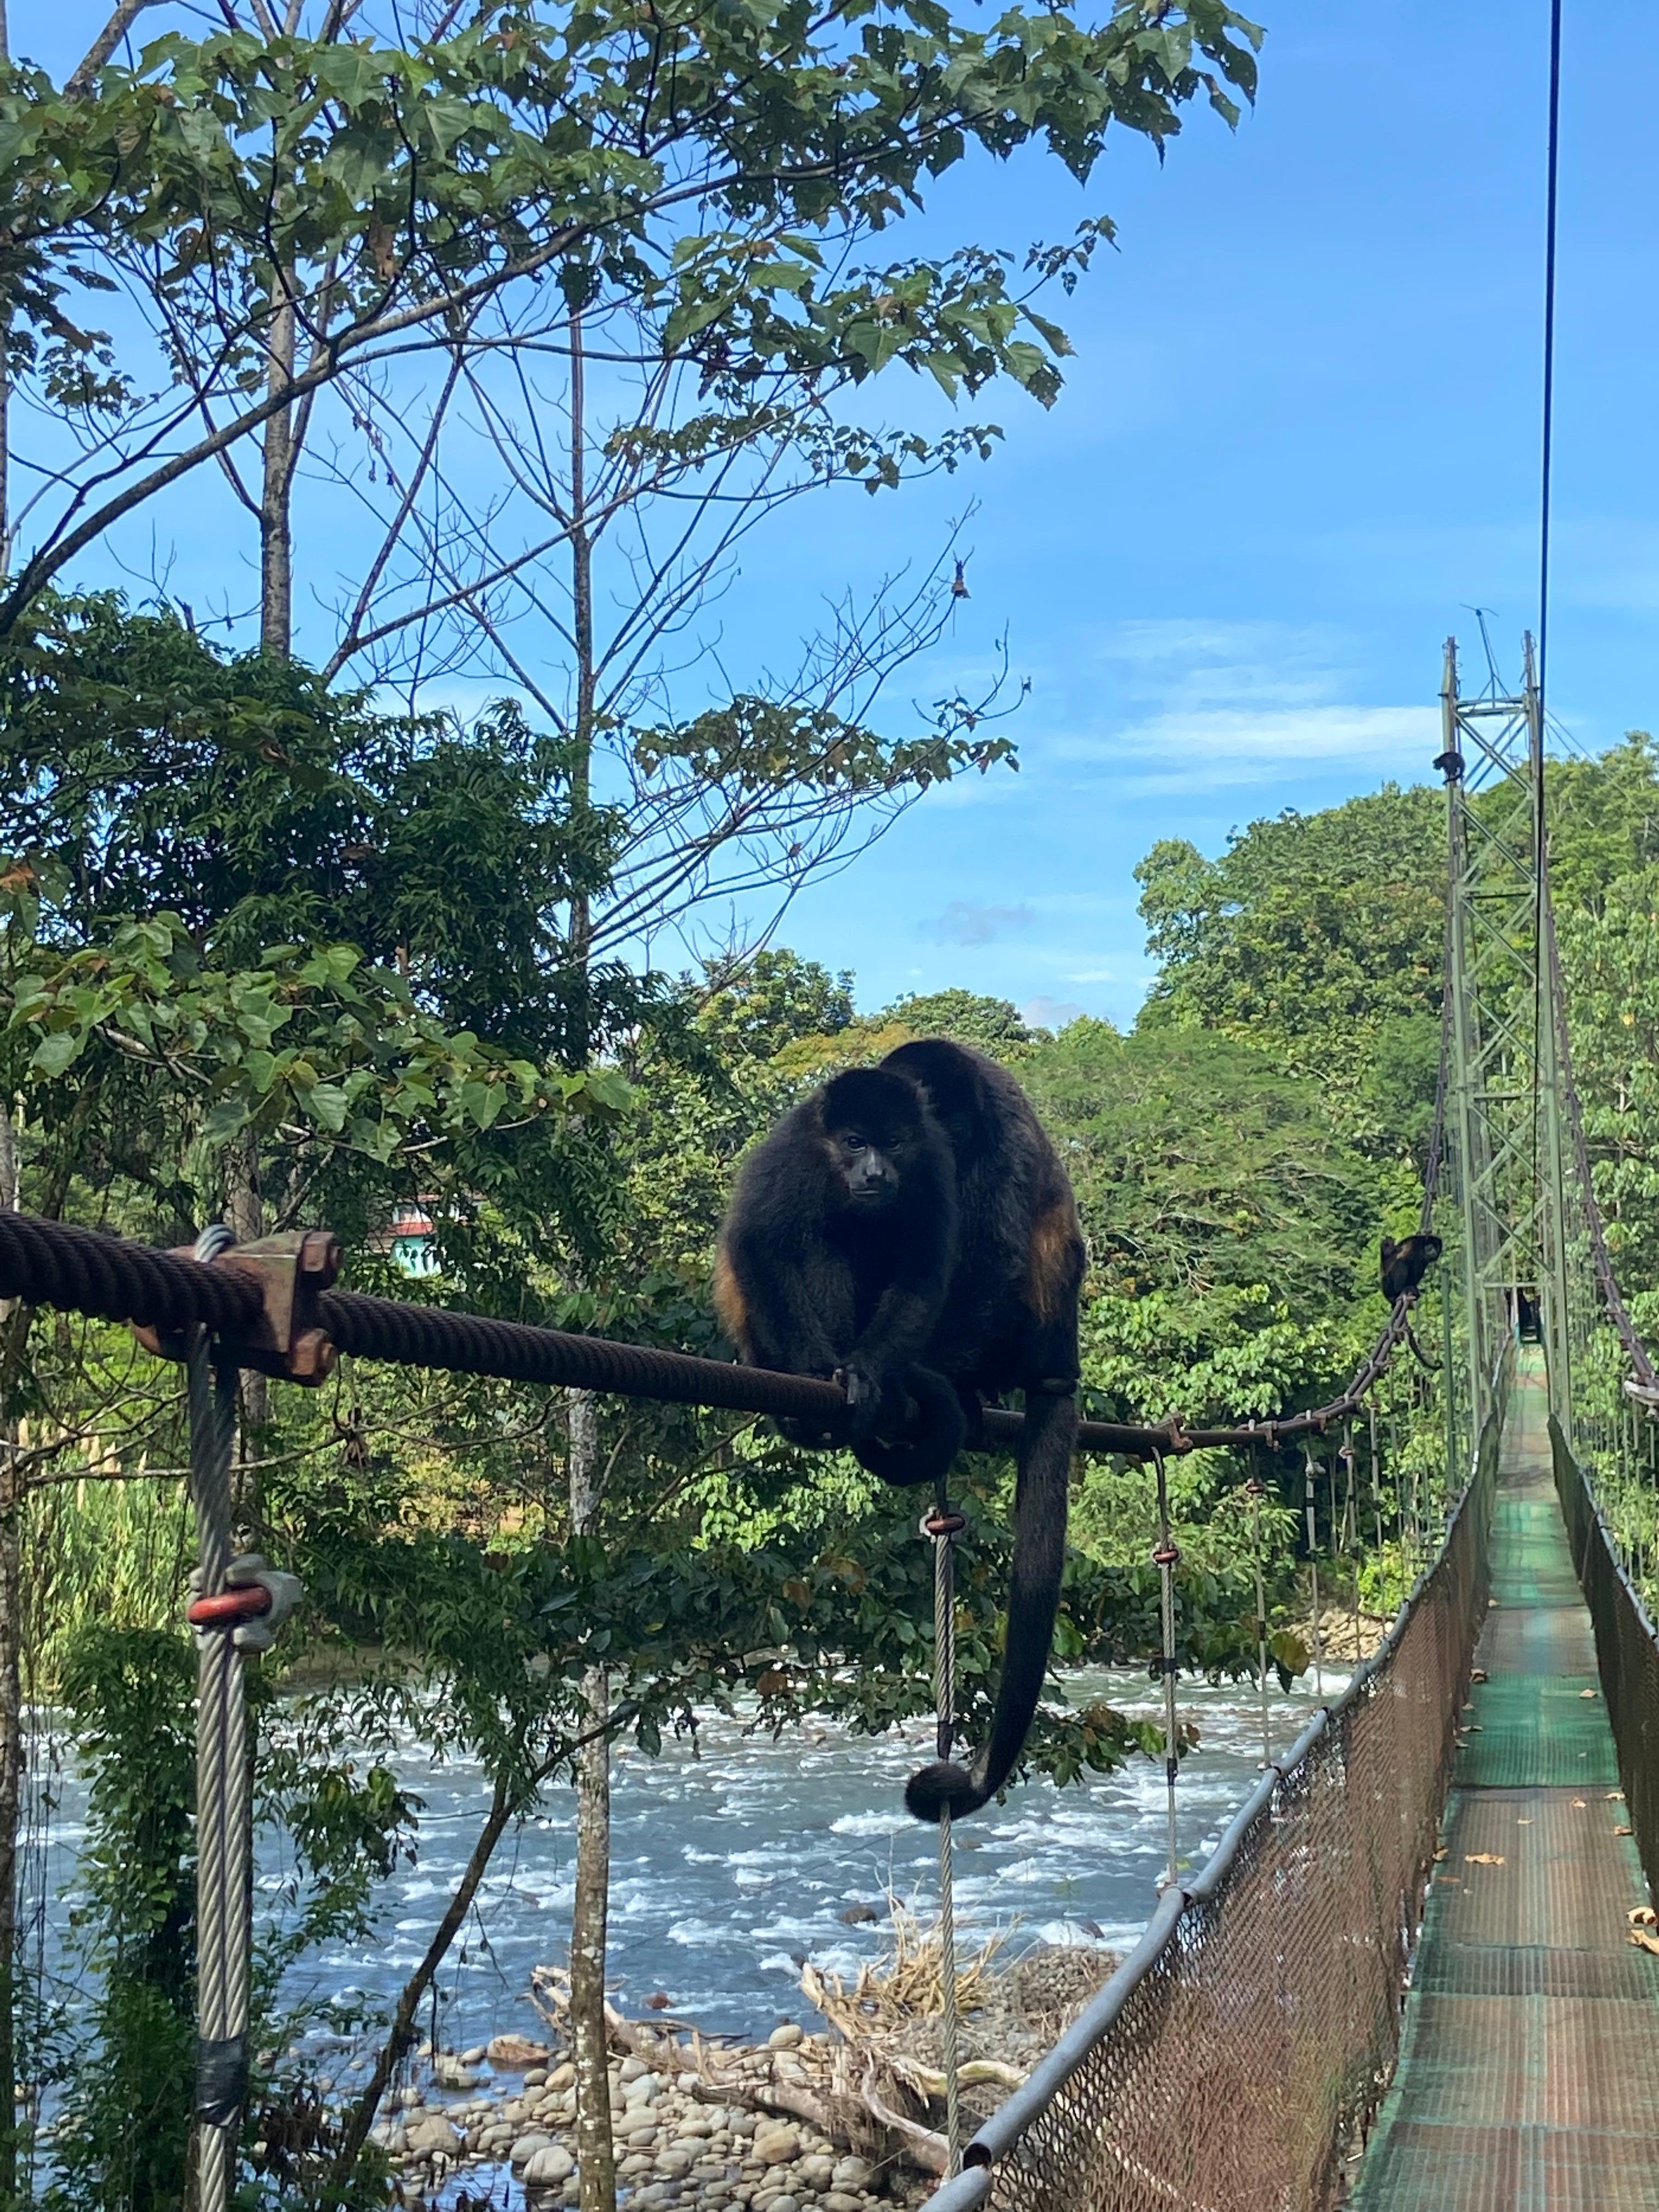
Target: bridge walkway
(1529,2074)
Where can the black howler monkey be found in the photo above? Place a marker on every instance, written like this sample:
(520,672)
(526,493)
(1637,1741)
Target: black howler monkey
(910,1228)
(1404,1264)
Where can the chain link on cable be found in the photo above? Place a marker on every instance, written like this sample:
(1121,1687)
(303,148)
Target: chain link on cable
(223,1811)
(944,1526)
(1308,1474)
(1165,1559)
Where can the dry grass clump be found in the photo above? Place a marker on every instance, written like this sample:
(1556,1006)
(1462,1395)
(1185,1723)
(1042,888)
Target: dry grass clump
(1011,2004)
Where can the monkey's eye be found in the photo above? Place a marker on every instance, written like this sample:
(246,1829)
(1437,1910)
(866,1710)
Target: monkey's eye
(855,1144)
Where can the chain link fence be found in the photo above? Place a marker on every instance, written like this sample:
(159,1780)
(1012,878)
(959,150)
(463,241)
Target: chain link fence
(1626,1649)
(1250,2035)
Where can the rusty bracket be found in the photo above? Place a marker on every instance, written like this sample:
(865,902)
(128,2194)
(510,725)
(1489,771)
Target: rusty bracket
(289,1271)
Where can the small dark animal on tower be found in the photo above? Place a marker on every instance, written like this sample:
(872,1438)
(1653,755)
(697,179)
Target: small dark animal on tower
(1404,1264)
(910,1230)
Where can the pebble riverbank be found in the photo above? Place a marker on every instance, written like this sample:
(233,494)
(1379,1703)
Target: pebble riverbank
(673,2148)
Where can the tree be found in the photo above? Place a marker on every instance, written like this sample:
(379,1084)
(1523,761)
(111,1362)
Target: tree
(332,215)
(993,1024)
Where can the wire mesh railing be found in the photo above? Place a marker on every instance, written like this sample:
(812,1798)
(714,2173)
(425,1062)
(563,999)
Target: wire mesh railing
(1250,2036)
(1606,1458)
(1627,1648)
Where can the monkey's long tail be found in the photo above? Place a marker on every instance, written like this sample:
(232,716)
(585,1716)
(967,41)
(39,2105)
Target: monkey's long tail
(1039,1501)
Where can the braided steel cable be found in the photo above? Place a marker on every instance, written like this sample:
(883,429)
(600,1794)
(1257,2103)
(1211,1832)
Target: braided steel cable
(1166,1558)
(224,1810)
(52,1263)
(943,1525)
(87,1271)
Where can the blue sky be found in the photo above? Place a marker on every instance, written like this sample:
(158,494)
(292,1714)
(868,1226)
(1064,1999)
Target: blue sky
(1299,440)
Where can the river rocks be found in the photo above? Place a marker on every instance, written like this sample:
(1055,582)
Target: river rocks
(432,2134)
(512,2054)
(676,2151)
(786,2037)
(776,2143)
(857,1914)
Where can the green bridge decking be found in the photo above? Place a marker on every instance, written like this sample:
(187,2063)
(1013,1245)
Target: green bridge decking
(1529,2073)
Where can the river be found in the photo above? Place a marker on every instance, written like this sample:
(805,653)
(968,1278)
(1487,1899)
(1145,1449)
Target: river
(733,1865)
(728,1865)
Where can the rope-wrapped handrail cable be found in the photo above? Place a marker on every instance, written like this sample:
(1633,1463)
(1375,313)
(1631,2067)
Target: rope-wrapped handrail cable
(107,1278)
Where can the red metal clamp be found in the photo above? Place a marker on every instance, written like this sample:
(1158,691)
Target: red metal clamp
(255,1602)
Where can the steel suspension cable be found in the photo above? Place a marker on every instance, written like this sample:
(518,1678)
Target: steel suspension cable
(1166,1558)
(1546,458)
(224,1832)
(944,1526)
(107,1278)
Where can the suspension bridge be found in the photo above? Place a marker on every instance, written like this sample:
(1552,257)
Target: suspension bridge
(1417,1970)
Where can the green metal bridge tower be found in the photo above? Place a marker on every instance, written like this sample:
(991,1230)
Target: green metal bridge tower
(1504,1111)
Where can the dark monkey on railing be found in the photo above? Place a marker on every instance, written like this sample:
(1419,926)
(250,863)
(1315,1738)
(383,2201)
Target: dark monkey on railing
(909,1229)
(1404,1265)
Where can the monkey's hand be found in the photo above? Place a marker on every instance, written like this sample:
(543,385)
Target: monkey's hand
(814,1432)
(869,1398)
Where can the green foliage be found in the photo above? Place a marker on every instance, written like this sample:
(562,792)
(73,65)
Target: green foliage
(1200,1169)
(776,998)
(1610,954)
(1604,821)
(993,1024)
(143,772)
(122,2138)
(1305,937)
(715,180)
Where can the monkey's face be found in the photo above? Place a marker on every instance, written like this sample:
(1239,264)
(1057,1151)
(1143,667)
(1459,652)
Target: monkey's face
(871,1164)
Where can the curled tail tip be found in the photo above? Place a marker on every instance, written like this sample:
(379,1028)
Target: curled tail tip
(935,1790)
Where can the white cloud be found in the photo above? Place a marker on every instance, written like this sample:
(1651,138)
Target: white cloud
(964,923)
(1207,705)
(1234,747)
(1044,1012)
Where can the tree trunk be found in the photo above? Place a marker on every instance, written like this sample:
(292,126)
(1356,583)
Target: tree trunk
(276,527)
(589,1913)
(402,2032)
(245,1217)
